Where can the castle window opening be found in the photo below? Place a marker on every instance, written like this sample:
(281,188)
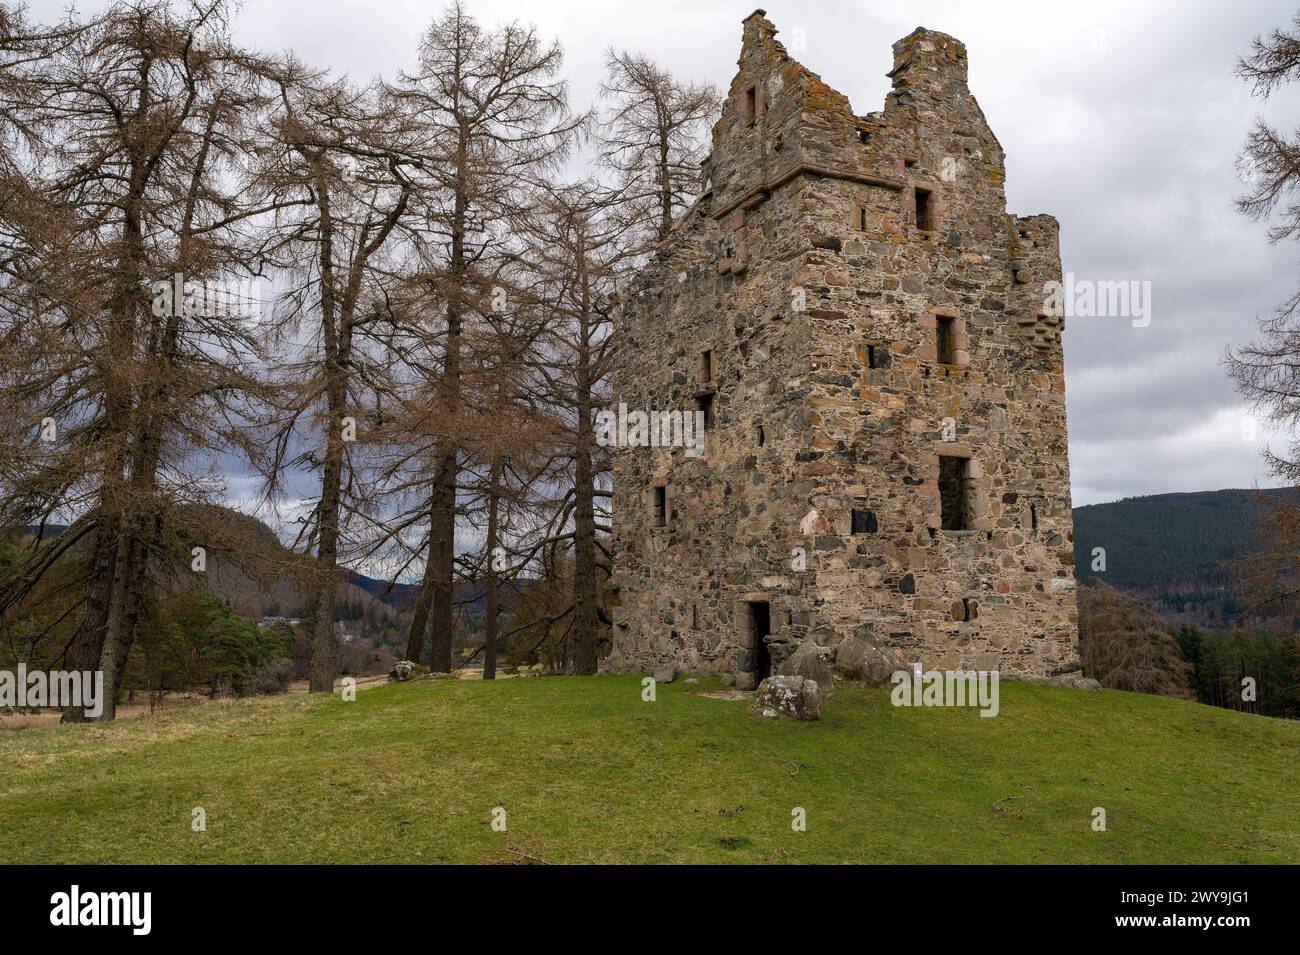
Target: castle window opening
(704,403)
(661,506)
(945,340)
(922,209)
(863,521)
(954,493)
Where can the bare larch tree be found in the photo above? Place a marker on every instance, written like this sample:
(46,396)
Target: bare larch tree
(496,120)
(651,136)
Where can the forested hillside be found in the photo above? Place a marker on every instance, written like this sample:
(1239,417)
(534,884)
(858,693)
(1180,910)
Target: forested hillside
(1176,549)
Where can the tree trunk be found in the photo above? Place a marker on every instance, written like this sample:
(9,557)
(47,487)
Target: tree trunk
(89,642)
(492,601)
(586,620)
(336,339)
(113,633)
(320,670)
(586,614)
(442,532)
(665,188)
(442,555)
(420,618)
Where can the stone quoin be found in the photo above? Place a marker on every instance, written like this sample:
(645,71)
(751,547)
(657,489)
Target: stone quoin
(885,478)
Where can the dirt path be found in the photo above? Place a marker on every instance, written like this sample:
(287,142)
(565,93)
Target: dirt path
(171,701)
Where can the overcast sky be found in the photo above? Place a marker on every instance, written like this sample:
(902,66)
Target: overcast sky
(1122,119)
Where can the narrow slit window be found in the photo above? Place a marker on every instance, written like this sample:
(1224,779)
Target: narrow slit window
(661,506)
(945,340)
(862,218)
(954,493)
(704,404)
(708,367)
(923,209)
(871,357)
(1033,517)
(751,105)
(760,436)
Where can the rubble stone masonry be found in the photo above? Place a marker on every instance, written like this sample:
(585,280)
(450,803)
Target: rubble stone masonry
(885,479)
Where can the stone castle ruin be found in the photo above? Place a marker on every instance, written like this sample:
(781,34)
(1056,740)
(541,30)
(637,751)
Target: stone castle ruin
(860,325)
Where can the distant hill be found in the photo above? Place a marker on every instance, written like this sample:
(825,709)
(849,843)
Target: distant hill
(362,596)
(470,597)
(257,575)
(1173,548)
(394,594)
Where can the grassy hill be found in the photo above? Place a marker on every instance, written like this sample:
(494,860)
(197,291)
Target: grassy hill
(587,772)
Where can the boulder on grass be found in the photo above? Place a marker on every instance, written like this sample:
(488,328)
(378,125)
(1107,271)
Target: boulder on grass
(402,671)
(861,660)
(792,696)
(1075,681)
(812,663)
(665,675)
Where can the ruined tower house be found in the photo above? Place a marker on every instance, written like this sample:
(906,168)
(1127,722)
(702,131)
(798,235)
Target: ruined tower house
(885,477)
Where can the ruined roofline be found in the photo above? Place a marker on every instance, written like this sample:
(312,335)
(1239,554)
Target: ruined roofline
(927,64)
(763,32)
(921,30)
(922,47)
(943,51)
(765,29)
(905,47)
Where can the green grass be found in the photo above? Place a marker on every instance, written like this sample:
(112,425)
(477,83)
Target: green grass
(587,772)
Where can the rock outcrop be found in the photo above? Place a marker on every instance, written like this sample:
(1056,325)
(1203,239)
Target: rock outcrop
(791,696)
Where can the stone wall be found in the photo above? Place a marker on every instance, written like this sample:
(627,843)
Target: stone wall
(805,270)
